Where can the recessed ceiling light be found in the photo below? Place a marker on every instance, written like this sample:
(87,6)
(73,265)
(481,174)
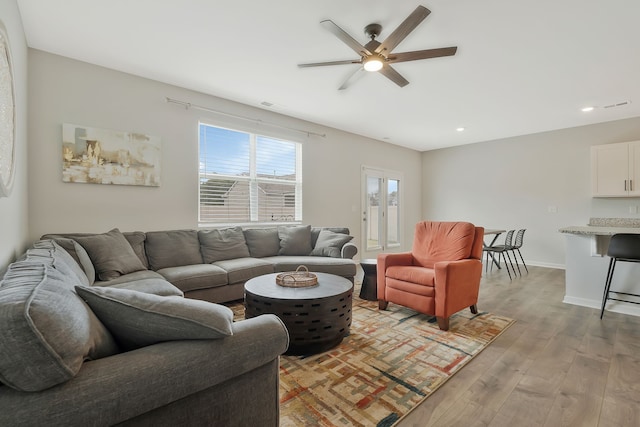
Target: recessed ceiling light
(460,129)
(587,109)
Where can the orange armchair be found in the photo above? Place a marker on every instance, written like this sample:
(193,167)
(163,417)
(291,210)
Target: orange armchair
(440,276)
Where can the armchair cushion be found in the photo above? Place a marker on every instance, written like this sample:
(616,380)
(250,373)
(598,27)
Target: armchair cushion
(442,241)
(412,274)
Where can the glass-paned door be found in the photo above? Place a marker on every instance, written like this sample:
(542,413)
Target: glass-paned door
(381,212)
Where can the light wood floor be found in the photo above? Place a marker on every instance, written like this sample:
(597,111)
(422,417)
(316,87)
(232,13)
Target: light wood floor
(558,365)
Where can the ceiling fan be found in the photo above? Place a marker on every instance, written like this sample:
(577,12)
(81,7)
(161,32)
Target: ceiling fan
(376,56)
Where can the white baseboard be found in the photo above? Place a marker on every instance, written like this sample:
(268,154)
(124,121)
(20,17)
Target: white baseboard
(546,264)
(614,306)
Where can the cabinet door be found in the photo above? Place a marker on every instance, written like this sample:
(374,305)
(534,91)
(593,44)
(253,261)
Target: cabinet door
(634,169)
(610,170)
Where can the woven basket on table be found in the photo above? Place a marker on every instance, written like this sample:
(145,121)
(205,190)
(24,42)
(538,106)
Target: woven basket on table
(297,279)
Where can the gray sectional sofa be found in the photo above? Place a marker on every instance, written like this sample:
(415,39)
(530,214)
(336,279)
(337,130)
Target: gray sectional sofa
(210,265)
(96,330)
(72,354)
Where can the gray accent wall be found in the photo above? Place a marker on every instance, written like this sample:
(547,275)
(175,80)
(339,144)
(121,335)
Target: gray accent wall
(63,90)
(13,209)
(540,182)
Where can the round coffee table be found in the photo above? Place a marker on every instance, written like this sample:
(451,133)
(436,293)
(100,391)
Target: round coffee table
(317,317)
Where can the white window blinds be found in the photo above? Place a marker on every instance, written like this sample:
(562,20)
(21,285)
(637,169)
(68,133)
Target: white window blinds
(248,178)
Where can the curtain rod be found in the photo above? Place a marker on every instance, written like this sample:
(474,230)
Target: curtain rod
(188,105)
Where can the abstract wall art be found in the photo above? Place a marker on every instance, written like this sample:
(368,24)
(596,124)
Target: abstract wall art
(103,156)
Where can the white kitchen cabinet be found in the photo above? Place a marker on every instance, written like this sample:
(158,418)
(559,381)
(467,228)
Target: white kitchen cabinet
(615,170)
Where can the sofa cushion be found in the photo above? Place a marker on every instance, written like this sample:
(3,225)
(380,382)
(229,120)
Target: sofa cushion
(155,284)
(315,232)
(330,244)
(172,248)
(111,254)
(136,275)
(262,241)
(338,266)
(242,269)
(223,243)
(192,277)
(47,330)
(295,240)
(138,319)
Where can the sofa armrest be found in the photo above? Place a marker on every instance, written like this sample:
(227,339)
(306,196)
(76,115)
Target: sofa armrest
(349,250)
(457,285)
(116,388)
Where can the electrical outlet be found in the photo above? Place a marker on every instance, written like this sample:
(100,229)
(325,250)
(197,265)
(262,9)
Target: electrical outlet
(633,209)
(552,209)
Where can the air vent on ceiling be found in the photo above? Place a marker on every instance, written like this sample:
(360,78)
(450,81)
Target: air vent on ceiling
(617,104)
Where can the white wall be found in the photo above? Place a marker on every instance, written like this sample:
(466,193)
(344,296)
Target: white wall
(13,209)
(62,90)
(511,183)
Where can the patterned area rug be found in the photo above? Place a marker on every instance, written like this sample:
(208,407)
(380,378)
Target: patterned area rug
(391,361)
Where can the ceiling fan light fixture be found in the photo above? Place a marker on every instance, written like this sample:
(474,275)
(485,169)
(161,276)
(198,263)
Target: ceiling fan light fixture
(373,64)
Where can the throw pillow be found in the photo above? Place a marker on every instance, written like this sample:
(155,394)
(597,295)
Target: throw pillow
(111,254)
(138,319)
(295,240)
(49,252)
(262,242)
(330,244)
(136,239)
(47,330)
(222,243)
(77,252)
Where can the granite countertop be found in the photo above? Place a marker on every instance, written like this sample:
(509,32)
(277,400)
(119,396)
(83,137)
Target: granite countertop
(605,227)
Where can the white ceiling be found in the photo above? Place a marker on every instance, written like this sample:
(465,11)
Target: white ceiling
(522,66)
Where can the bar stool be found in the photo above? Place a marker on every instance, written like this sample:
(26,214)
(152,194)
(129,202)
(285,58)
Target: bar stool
(622,247)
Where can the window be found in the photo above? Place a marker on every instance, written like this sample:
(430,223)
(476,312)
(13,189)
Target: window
(248,178)
(381,209)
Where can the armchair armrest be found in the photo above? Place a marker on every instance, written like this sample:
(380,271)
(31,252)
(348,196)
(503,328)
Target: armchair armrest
(457,284)
(388,260)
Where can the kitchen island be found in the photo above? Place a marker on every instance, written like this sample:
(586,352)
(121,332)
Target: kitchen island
(587,264)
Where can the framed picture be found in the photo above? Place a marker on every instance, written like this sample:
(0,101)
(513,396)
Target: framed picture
(103,156)
(7,117)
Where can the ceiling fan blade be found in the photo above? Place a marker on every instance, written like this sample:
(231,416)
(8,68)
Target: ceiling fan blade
(403,30)
(345,37)
(356,75)
(320,64)
(422,54)
(393,75)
